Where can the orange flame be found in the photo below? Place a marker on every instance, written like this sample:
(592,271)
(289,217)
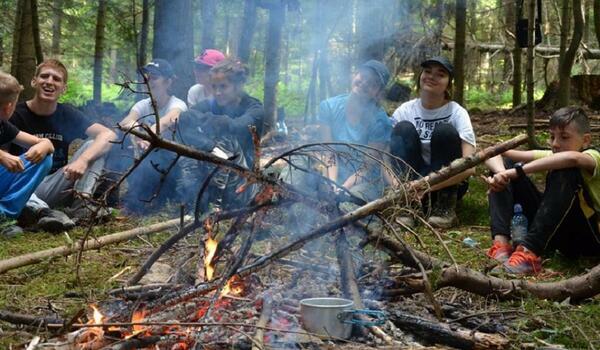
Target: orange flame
(230,289)
(211,249)
(97,315)
(137,317)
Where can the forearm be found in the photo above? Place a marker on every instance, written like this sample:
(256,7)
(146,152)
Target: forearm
(97,148)
(495,164)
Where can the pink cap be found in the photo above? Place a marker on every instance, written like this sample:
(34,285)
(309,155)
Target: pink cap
(209,57)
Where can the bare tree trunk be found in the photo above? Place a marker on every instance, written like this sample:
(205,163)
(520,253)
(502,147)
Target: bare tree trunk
(57,16)
(370,31)
(517,58)
(566,63)
(99,51)
(529,74)
(459,50)
(597,20)
(173,35)
(143,52)
(273,62)
(209,11)
(35,28)
(247,30)
(24,55)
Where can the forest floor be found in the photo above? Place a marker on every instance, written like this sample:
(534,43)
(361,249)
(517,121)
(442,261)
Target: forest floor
(53,287)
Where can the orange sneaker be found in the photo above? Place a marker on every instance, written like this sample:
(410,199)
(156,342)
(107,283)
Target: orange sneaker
(523,262)
(500,251)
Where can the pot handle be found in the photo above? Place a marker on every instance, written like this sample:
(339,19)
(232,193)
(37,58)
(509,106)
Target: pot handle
(348,317)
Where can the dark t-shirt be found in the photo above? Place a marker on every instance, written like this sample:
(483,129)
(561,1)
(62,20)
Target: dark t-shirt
(8,132)
(62,127)
(249,112)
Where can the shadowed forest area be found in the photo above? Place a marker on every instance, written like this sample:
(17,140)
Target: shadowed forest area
(252,218)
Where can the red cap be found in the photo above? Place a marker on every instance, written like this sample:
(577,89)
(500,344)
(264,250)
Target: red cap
(209,57)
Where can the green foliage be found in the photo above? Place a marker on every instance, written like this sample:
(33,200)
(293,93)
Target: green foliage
(80,90)
(484,99)
(288,95)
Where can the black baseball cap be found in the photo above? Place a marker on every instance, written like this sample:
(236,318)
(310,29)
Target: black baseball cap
(158,66)
(379,69)
(442,61)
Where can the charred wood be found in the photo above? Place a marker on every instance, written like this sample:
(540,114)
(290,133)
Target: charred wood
(28,320)
(441,333)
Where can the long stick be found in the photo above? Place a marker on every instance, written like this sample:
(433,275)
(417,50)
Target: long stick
(91,243)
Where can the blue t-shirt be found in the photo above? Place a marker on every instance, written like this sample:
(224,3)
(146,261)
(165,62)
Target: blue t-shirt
(376,127)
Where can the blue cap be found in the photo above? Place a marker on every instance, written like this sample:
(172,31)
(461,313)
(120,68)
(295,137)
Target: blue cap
(160,67)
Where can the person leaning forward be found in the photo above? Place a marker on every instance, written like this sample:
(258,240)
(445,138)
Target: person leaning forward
(44,116)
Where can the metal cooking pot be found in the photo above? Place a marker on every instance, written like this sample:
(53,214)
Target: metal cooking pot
(333,317)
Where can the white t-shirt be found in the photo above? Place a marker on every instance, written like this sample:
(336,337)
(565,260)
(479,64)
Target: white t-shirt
(196,94)
(144,107)
(425,121)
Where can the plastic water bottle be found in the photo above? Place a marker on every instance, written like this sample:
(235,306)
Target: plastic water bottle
(518,224)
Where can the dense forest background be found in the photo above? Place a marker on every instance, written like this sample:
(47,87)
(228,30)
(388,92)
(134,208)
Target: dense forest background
(302,51)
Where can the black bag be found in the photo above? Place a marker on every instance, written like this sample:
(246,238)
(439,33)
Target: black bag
(523,23)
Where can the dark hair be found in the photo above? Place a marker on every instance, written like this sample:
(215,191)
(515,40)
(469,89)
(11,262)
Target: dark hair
(571,114)
(233,69)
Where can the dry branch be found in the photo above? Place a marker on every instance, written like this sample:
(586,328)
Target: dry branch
(89,244)
(577,288)
(397,196)
(441,333)
(263,321)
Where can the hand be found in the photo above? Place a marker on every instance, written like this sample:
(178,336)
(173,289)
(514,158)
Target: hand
(39,151)
(75,170)
(220,123)
(498,182)
(142,144)
(12,163)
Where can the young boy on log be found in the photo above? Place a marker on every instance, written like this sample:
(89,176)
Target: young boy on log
(357,118)
(44,116)
(19,175)
(565,215)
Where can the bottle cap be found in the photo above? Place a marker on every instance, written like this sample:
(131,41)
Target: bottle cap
(518,208)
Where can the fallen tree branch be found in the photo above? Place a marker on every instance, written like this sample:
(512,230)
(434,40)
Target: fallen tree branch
(27,320)
(442,333)
(89,244)
(263,321)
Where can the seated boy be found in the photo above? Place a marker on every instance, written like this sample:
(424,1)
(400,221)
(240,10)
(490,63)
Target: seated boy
(19,176)
(44,116)
(565,215)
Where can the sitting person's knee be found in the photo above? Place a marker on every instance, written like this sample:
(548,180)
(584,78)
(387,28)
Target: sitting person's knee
(445,131)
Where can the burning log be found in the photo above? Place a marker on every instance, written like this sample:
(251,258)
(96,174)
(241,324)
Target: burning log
(89,244)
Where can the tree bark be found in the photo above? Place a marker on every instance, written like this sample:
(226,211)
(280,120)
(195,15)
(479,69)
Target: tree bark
(529,75)
(517,59)
(247,30)
(459,50)
(173,38)
(597,20)
(370,31)
(99,51)
(272,63)
(57,16)
(24,56)
(566,63)
(143,51)
(209,12)
(35,28)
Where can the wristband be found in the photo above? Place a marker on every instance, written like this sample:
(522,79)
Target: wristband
(520,171)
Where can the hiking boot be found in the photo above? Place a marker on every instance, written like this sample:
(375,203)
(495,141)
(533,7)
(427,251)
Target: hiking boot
(9,227)
(81,212)
(500,251)
(54,221)
(444,209)
(523,262)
